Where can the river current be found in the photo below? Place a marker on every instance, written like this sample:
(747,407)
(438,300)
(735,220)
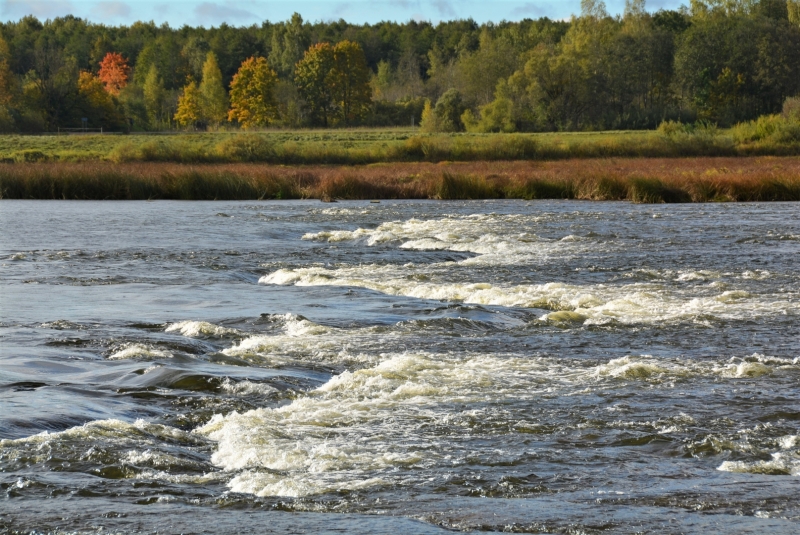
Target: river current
(399,367)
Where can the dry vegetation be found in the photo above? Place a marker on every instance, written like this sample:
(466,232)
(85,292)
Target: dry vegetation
(651,180)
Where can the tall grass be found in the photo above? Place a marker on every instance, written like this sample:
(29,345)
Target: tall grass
(639,180)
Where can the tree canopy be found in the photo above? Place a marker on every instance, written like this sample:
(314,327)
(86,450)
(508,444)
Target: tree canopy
(722,61)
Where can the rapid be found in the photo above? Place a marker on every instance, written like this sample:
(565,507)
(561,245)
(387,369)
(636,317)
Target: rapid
(403,366)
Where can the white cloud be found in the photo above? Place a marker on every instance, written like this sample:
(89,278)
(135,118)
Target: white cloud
(216,14)
(42,9)
(444,8)
(112,10)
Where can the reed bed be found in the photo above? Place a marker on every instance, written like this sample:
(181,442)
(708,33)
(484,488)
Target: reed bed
(641,180)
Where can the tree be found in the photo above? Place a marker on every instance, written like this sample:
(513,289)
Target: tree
(189,106)
(311,77)
(253,94)
(350,82)
(114,72)
(153,90)
(793,11)
(213,97)
(97,104)
(289,40)
(7,89)
(51,89)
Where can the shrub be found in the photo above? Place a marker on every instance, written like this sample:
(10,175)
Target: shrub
(246,148)
(791,109)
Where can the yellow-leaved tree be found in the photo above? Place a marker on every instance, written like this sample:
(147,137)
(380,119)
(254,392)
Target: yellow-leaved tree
(253,94)
(349,81)
(189,111)
(214,99)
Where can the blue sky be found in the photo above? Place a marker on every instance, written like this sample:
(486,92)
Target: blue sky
(244,12)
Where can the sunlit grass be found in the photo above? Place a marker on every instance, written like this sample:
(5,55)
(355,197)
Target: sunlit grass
(365,146)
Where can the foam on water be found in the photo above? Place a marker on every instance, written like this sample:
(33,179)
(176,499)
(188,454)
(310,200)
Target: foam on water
(781,463)
(384,424)
(597,304)
(497,241)
(200,328)
(486,235)
(140,351)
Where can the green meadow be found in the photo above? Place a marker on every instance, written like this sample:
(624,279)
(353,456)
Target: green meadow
(368,146)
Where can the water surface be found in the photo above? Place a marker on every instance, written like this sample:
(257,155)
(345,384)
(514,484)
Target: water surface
(545,367)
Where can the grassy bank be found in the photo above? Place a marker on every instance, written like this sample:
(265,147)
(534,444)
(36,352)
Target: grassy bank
(649,180)
(361,147)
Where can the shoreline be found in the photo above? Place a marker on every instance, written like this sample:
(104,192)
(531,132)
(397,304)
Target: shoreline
(642,180)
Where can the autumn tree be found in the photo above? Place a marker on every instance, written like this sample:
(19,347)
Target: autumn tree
(189,106)
(214,99)
(97,104)
(349,81)
(114,72)
(253,94)
(311,77)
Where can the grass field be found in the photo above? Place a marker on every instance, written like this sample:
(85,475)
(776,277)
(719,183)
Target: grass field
(648,180)
(367,146)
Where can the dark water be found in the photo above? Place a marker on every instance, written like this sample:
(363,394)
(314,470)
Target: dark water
(403,367)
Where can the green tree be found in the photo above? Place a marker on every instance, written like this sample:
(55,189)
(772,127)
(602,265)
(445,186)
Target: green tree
(312,75)
(189,111)
(214,99)
(289,41)
(253,94)
(153,93)
(447,113)
(349,80)
(793,11)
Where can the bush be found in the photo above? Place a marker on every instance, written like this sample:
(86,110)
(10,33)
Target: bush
(246,148)
(791,109)
(446,115)
(497,116)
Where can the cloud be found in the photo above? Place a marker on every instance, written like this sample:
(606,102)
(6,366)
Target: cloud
(444,8)
(216,14)
(112,10)
(42,9)
(528,9)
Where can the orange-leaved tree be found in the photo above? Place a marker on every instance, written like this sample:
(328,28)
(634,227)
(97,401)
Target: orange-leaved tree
(311,75)
(114,72)
(349,80)
(189,105)
(253,94)
(96,104)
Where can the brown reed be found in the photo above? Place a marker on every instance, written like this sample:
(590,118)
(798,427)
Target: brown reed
(650,180)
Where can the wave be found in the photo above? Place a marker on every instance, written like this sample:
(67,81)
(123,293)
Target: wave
(591,304)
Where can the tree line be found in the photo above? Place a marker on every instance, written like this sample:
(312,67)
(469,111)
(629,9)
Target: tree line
(719,61)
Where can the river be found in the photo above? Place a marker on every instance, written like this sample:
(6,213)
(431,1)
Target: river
(399,367)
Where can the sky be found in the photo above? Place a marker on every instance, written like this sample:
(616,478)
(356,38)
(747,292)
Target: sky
(210,13)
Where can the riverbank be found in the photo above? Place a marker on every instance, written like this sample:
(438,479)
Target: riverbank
(648,180)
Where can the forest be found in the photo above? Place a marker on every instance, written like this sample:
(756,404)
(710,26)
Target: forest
(715,62)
